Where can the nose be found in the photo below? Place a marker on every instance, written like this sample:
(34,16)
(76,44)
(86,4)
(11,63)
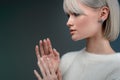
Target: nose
(70,22)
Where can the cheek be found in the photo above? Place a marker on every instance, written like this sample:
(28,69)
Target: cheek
(86,27)
(83,24)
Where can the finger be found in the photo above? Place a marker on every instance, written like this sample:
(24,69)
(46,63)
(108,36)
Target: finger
(49,46)
(56,53)
(41,48)
(46,66)
(37,75)
(59,75)
(37,52)
(42,69)
(49,43)
(45,47)
(51,68)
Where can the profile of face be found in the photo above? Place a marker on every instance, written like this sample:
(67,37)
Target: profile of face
(85,24)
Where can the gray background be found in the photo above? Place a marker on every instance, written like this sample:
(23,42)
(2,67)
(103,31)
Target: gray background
(22,24)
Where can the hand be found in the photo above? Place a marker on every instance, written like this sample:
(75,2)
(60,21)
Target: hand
(45,50)
(47,70)
(45,47)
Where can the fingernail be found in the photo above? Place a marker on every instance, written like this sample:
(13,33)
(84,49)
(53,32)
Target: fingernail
(44,40)
(54,49)
(36,46)
(47,38)
(34,71)
(40,41)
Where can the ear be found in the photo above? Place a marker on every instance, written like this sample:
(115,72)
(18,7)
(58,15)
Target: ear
(104,12)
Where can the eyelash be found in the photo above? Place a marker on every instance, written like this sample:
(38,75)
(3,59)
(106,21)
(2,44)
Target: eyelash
(68,15)
(74,14)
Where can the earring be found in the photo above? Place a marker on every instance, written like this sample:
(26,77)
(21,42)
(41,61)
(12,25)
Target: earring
(101,21)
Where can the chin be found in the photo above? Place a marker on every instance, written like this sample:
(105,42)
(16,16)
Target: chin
(76,38)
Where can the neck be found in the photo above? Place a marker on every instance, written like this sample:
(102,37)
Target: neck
(99,46)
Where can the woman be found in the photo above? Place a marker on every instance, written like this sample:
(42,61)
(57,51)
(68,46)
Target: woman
(97,21)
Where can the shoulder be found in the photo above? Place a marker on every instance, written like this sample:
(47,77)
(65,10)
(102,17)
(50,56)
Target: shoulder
(67,59)
(117,62)
(117,58)
(69,55)
(115,74)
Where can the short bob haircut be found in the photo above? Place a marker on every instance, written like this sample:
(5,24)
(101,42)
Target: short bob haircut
(111,24)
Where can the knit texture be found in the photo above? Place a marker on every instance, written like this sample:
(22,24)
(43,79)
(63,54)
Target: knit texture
(82,65)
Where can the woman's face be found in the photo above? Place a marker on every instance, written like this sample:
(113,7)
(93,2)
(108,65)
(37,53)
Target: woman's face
(84,25)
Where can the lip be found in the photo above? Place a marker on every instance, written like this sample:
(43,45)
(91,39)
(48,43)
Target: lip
(72,31)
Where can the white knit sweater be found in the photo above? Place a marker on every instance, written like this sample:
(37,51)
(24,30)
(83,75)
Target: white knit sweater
(81,65)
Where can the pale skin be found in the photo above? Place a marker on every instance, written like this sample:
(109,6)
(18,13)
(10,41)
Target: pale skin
(82,26)
(46,57)
(86,26)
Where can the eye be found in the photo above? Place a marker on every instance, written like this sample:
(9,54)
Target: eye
(68,15)
(76,14)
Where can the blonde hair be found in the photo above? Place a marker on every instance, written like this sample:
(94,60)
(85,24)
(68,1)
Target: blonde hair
(112,23)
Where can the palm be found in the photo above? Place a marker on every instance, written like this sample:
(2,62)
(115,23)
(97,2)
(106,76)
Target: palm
(55,59)
(45,50)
